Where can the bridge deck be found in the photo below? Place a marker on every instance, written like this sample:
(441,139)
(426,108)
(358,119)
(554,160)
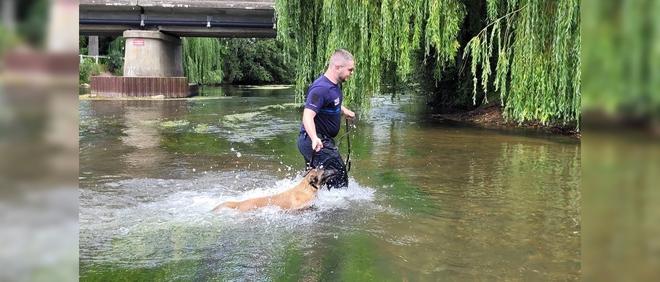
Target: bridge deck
(219,18)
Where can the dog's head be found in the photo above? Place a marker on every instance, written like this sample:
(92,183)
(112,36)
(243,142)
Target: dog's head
(318,176)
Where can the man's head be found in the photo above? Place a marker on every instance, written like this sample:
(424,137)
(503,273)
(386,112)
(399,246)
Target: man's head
(341,65)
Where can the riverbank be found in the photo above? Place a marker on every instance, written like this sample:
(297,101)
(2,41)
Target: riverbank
(85,92)
(490,117)
(147,98)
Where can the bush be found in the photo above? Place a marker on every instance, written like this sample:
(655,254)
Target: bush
(116,56)
(7,40)
(97,69)
(86,68)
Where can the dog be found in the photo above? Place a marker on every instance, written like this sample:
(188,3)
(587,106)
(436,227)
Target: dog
(297,198)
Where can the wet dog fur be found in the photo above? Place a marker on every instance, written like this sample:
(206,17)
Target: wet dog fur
(296,198)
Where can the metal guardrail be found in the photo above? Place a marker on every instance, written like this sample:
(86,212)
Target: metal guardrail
(96,58)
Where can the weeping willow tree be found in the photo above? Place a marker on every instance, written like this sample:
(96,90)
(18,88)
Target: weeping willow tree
(382,35)
(528,52)
(202,60)
(531,52)
(234,61)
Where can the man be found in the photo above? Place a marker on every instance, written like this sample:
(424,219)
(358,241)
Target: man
(322,118)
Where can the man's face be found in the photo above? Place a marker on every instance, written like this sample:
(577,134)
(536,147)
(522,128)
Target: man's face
(346,70)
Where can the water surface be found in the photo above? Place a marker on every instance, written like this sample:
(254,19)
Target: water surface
(427,200)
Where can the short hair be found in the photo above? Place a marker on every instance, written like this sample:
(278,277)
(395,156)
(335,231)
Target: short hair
(340,56)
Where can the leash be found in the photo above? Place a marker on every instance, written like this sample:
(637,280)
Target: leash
(309,166)
(348,155)
(348,139)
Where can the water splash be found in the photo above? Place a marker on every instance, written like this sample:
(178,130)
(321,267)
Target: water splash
(119,216)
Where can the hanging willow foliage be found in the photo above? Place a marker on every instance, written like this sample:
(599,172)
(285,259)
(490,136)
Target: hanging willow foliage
(533,44)
(202,60)
(622,57)
(536,48)
(382,35)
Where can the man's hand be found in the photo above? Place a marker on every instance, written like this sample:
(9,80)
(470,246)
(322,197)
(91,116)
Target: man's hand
(317,144)
(348,113)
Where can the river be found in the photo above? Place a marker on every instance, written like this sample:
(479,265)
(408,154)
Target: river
(427,200)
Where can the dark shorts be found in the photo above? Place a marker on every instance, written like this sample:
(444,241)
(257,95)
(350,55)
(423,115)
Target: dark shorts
(328,157)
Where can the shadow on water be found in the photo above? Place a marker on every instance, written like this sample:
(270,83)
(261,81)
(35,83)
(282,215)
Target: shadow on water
(425,201)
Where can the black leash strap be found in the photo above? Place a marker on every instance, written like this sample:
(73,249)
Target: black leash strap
(348,156)
(311,162)
(348,139)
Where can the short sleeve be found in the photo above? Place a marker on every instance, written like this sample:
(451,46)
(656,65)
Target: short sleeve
(315,99)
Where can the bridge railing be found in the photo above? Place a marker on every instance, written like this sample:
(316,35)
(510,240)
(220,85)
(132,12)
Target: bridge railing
(95,58)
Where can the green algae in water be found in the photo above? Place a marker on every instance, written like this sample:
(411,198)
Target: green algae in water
(405,195)
(202,128)
(281,106)
(354,257)
(266,87)
(174,123)
(292,268)
(249,116)
(150,122)
(241,117)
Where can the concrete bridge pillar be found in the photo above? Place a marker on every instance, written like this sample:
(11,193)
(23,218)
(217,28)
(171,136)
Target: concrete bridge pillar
(153,67)
(93,46)
(152,53)
(9,14)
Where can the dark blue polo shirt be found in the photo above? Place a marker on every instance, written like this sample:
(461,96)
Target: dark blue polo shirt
(324,98)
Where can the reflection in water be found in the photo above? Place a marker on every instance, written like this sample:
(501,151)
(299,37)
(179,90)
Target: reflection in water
(621,238)
(474,200)
(426,200)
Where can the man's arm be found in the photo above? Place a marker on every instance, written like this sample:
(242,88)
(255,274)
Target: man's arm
(310,128)
(348,113)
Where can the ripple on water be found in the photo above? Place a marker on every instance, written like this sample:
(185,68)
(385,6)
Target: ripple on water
(259,125)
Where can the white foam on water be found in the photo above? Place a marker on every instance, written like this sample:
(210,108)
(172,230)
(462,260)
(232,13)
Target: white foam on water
(153,213)
(343,198)
(326,200)
(190,202)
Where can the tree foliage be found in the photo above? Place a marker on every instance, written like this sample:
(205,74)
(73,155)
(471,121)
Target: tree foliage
(234,61)
(7,40)
(256,61)
(202,60)
(529,51)
(33,16)
(622,57)
(116,56)
(382,35)
(87,69)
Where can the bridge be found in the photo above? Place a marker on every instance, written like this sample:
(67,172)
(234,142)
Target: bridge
(153,28)
(181,18)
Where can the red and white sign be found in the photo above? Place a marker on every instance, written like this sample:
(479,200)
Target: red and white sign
(138,42)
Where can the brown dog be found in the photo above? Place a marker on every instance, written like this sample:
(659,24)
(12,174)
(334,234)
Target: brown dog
(298,197)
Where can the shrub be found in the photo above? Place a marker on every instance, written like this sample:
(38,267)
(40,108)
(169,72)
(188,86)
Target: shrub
(87,66)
